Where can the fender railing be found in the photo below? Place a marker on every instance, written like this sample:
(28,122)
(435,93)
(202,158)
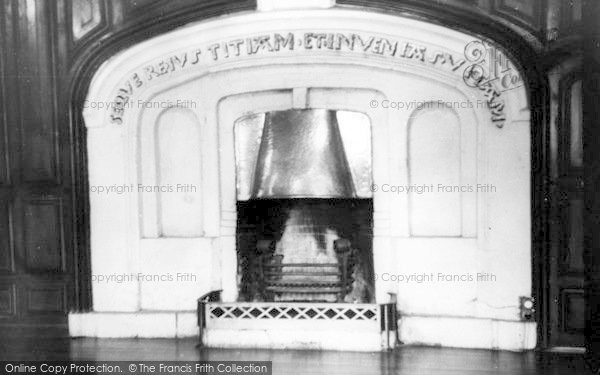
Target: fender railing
(382,317)
(212,296)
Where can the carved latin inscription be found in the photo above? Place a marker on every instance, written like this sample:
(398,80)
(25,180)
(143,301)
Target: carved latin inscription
(289,43)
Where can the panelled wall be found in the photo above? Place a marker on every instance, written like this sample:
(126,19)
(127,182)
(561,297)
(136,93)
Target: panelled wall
(46,59)
(50,49)
(566,275)
(591,178)
(37,248)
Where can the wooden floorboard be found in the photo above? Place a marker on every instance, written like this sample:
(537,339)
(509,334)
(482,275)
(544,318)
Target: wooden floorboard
(406,360)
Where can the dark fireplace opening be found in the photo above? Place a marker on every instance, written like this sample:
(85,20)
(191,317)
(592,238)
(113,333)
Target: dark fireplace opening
(308,249)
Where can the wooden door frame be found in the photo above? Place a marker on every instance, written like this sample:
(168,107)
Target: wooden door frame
(562,191)
(591,173)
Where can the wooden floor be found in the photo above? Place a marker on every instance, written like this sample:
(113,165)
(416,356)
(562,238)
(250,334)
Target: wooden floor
(405,360)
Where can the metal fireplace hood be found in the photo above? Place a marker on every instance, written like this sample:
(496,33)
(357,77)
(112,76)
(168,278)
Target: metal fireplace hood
(298,153)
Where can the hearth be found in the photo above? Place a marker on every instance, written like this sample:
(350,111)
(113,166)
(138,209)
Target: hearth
(304,232)
(303,145)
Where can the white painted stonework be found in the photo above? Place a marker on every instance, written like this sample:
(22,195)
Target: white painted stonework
(414,234)
(270,5)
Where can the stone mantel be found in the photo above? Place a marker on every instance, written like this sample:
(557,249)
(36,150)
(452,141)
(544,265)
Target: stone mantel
(340,59)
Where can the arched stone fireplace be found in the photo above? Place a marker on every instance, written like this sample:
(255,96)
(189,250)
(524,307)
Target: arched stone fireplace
(449,169)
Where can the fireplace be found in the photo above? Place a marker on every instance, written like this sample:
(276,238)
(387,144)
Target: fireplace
(301,178)
(311,131)
(304,231)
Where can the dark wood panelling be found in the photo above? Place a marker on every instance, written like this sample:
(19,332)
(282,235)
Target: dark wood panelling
(7,252)
(135,7)
(87,15)
(82,21)
(123,23)
(35,228)
(591,166)
(573,310)
(525,12)
(4,160)
(39,156)
(566,263)
(483,17)
(571,21)
(43,237)
(7,300)
(46,298)
(11,103)
(573,255)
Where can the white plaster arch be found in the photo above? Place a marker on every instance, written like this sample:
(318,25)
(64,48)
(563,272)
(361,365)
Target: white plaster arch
(119,238)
